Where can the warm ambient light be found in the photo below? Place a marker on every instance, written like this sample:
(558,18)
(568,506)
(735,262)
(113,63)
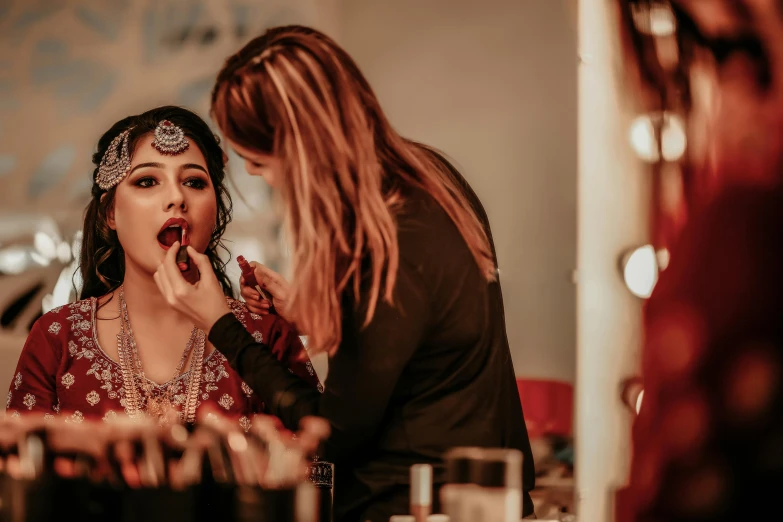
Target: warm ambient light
(14,259)
(643,138)
(640,271)
(640,268)
(657,19)
(632,393)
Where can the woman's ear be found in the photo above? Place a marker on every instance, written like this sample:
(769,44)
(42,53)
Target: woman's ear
(109,214)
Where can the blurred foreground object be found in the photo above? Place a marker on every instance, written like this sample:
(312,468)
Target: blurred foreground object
(138,470)
(707,440)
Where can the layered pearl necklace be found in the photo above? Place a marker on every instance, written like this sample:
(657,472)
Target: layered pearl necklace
(140,392)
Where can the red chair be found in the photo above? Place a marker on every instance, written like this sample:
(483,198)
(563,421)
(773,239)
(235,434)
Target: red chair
(548,407)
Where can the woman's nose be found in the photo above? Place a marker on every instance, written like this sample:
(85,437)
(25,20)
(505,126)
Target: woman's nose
(175,198)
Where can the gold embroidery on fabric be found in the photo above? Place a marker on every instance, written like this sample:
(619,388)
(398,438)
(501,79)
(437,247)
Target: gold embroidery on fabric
(29,401)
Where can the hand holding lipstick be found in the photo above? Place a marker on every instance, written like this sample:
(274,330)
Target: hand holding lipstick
(269,282)
(249,278)
(203,301)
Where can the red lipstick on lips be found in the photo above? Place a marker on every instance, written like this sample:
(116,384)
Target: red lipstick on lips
(173,230)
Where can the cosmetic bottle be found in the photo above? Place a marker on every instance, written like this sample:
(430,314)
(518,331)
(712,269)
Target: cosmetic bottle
(421,492)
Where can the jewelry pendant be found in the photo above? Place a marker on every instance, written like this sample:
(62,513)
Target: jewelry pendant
(158,406)
(140,396)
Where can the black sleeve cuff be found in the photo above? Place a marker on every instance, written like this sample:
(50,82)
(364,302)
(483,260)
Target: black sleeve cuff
(224,329)
(285,395)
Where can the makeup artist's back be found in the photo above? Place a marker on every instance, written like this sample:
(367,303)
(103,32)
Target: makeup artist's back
(437,371)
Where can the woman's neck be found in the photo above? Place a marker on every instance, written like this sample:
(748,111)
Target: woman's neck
(144,299)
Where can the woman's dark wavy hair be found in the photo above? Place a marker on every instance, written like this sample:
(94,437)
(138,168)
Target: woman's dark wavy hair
(102,259)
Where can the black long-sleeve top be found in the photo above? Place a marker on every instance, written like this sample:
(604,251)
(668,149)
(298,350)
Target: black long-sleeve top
(432,372)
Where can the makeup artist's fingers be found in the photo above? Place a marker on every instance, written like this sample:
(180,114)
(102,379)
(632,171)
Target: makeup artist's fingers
(256,309)
(249,294)
(277,286)
(254,301)
(271,280)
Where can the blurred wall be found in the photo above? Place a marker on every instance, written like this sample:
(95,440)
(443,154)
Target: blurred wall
(69,70)
(493,84)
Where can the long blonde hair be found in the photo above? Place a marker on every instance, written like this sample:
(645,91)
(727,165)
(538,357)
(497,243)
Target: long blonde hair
(295,94)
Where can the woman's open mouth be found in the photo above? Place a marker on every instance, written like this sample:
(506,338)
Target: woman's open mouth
(173,230)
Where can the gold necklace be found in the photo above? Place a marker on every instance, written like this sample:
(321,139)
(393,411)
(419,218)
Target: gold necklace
(135,382)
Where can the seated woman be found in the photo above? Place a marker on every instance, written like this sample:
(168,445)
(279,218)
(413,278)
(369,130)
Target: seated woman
(121,349)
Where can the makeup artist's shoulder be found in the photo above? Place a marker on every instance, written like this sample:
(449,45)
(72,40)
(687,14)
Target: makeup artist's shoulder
(424,229)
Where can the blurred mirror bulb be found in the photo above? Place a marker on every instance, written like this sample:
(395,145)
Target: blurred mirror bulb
(640,270)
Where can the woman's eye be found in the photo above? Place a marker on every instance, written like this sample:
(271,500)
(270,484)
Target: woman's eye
(196,183)
(145,182)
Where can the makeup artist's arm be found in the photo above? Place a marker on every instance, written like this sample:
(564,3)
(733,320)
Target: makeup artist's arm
(285,394)
(362,374)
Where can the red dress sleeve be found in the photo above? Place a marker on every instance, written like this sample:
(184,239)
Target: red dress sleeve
(34,387)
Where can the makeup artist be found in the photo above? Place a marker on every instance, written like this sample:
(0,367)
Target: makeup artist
(394,275)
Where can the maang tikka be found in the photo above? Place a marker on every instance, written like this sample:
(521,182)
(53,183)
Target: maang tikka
(170,139)
(115,163)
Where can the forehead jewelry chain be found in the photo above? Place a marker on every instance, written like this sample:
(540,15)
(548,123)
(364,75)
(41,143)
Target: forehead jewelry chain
(170,139)
(115,163)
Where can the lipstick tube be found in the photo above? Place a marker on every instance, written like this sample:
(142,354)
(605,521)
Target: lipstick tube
(250,278)
(183,259)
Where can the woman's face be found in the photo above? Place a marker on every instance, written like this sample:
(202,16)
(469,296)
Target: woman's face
(160,196)
(259,164)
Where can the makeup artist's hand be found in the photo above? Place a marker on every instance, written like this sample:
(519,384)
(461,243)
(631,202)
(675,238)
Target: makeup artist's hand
(272,282)
(203,302)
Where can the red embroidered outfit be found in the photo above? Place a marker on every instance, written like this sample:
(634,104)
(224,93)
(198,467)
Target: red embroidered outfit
(63,370)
